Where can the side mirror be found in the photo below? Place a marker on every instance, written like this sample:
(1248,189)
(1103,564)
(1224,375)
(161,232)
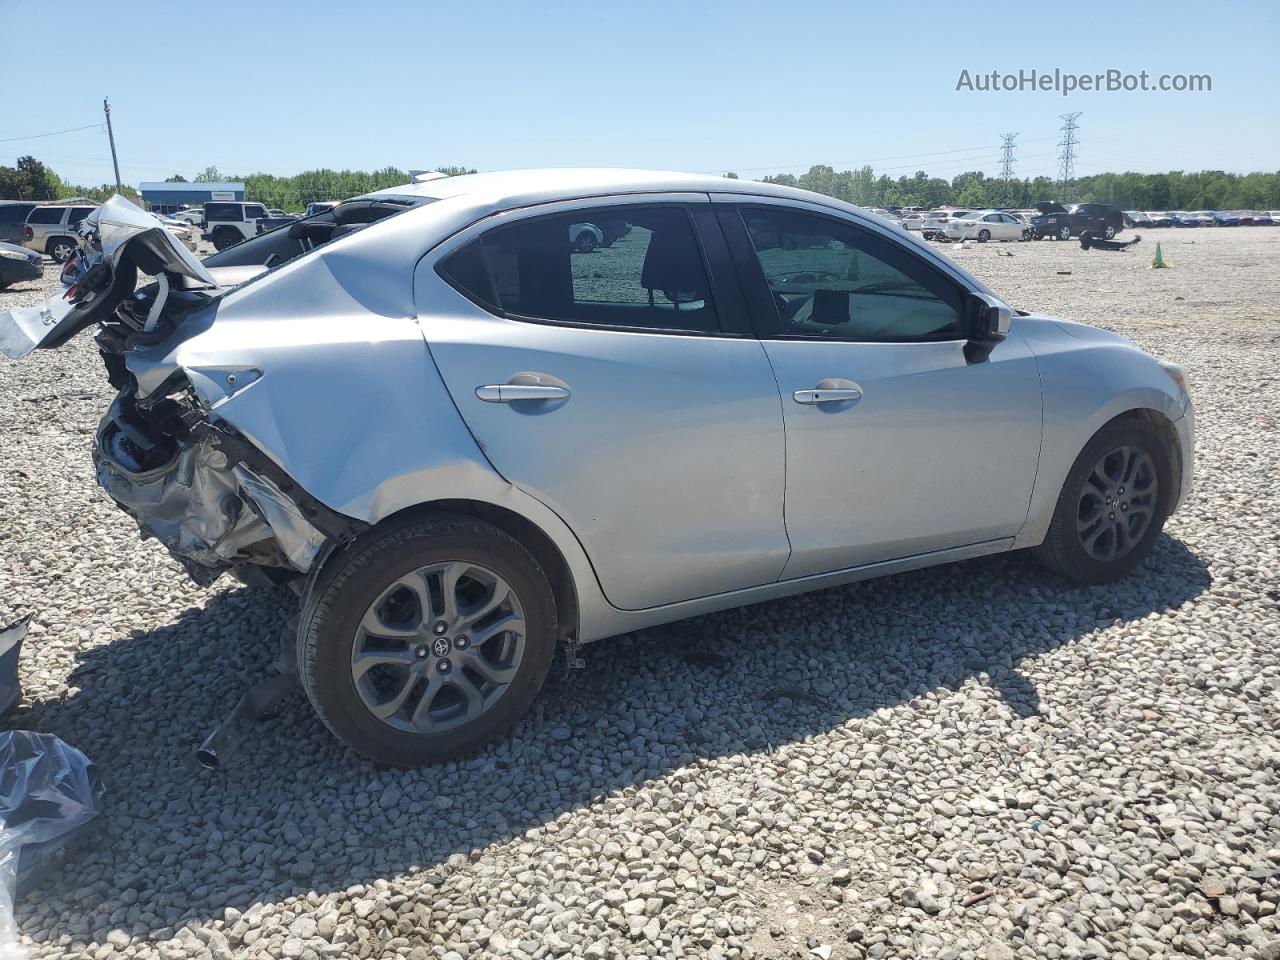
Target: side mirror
(987,320)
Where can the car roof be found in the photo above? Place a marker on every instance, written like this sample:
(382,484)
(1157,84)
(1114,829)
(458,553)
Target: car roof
(513,188)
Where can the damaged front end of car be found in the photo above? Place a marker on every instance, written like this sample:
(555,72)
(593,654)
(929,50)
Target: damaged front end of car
(187,477)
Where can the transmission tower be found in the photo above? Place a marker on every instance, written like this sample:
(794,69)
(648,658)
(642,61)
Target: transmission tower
(1006,164)
(1067,158)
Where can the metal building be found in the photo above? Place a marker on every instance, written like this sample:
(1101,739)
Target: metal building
(170,197)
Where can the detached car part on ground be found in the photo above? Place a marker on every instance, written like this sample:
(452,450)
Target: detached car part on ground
(463,442)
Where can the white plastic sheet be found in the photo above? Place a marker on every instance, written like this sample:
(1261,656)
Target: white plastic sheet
(49,796)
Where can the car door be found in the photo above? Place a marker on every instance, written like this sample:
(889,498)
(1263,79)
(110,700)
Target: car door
(621,386)
(897,445)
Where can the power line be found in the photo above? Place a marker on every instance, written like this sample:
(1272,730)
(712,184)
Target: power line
(52,133)
(1067,158)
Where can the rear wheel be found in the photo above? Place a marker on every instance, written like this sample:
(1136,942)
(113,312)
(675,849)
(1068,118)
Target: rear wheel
(1112,506)
(427,641)
(225,237)
(61,249)
(1064,233)
(1109,232)
(586,242)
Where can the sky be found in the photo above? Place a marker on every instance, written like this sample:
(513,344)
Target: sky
(753,87)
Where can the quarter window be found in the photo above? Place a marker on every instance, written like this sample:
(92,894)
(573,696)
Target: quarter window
(830,280)
(45,215)
(636,268)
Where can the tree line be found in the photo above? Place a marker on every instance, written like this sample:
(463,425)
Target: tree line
(30,179)
(1175,190)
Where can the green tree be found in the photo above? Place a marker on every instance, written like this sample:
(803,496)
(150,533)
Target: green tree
(176,178)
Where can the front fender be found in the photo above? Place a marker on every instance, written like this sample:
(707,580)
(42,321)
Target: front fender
(1089,377)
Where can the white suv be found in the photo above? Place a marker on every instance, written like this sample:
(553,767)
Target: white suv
(226,223)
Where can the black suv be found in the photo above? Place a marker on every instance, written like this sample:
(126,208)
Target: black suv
(1100,219)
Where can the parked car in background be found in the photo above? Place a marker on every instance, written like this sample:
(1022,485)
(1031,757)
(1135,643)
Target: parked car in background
(320,423)
(912,220)
(585,237)
(191,215)
(987,225)
(18,264)
(1136,218)
(319,206)
(1205,217)
(1183,219)
(1056,221)
(265,224)
(51,229)
(13,217)
(1262,219)
(185,232)
(227,222)
(935,221)
(1227,218)
(1159,218)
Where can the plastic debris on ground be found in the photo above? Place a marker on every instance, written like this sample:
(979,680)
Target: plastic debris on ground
(50,796)
(11,638)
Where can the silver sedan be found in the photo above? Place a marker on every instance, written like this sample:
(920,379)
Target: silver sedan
(465,439)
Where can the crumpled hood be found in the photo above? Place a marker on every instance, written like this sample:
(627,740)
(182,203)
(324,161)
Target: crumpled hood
(112,229)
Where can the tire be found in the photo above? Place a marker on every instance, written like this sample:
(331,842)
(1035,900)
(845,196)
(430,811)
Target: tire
(585,243)
(225,237)
(1065,548)
(359,587)
(1028,235)
(1109,232)
(61,249)
(1064,233)
(984,236)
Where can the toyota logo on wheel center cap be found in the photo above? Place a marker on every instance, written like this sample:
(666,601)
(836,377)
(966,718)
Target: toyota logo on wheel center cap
(441,647)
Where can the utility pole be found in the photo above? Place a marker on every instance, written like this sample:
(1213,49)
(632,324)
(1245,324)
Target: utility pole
(1067,158)
(106,108)
(1006,164)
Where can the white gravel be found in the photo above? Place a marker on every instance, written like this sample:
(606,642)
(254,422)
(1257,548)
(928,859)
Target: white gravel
(844,774)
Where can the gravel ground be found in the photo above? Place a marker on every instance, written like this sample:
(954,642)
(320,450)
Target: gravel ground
(975,761)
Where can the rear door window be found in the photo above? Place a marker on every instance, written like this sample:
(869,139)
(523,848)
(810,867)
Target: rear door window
(635,268)
(78,214)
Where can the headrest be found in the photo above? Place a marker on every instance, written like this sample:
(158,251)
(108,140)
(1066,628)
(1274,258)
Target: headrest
(673,264)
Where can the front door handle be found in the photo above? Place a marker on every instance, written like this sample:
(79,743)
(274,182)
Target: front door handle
(825,395)
(511,392)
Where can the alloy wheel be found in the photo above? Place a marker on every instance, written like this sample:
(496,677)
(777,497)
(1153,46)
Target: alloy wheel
(1117,503)
(438,647)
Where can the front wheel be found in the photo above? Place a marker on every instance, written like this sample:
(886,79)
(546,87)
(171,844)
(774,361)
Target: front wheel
(984,236)
(427,641)
(1113,505)
(586,242)
(1064,233)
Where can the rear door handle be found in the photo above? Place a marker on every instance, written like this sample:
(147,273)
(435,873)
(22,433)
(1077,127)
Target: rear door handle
(509,392)
(833,395)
